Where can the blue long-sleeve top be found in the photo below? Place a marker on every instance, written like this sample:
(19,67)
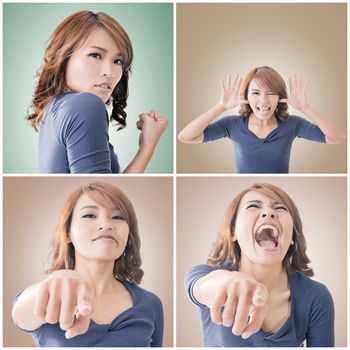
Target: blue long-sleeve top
(73,136)
(311,316)
(268,155)
(139,326)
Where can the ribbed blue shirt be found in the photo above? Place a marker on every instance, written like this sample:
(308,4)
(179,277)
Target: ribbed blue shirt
(268,155)
(311,316)
(140,326)
(73,136)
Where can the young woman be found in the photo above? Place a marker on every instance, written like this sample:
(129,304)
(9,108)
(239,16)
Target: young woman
(264,132)
(91,296)
(256,288)
(86,66)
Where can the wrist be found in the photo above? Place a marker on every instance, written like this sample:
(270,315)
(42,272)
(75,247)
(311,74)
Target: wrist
(220,107)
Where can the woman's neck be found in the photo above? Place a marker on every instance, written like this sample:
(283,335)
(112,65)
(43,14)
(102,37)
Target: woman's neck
(99,273)
(271,276)
(263,123)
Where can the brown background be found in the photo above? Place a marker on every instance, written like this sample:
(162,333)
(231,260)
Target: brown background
(216,39)
(201,203)
(31,209)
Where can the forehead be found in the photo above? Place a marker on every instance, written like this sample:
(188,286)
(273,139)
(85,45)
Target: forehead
(96,199)
(257,84)
(99,37)
(260,196)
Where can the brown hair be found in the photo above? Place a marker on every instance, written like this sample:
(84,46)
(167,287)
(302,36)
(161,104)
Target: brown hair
(226,251)
(270,78)
(127,266)
(67,37)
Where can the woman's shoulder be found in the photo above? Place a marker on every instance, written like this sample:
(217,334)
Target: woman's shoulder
(144,294)
(309,287)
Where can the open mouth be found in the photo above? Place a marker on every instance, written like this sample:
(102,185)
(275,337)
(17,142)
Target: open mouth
(263,110)
(104,86)
(267,236)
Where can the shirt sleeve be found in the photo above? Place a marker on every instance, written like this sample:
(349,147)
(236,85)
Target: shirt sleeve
(306,130)
(321,319)
(223,127)
(192,276)
(84,132)
(157,336)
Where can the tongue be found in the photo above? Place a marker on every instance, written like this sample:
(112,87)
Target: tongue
(267,244)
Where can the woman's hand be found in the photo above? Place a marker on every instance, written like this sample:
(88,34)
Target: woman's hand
(65,297)
(230,92)
(152,126)
(298,92)
(235,300)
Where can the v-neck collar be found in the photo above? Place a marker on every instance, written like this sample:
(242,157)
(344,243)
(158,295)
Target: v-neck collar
(256,136)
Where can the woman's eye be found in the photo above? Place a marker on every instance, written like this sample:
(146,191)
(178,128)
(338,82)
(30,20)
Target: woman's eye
(281,208)
(88,216)
(95,55)
(255,93)
(252,206)
(119,61)
(117,217)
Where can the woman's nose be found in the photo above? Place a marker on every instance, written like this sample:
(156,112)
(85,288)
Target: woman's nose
(105,224)
(108,70)
(268,213)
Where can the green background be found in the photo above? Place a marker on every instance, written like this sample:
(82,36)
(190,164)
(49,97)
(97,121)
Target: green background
(27,29)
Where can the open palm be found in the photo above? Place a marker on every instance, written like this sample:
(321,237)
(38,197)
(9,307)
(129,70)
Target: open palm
(298,92)
(230,92)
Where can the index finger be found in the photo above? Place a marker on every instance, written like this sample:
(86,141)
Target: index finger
(41,302)
(260,296)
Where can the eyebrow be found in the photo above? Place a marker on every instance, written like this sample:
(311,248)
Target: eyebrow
(89,207)
(119,54)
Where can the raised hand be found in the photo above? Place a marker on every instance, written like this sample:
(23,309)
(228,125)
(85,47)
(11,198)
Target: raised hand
(152,126)
(240,304)
(65,297)
(298,92)
(230,92)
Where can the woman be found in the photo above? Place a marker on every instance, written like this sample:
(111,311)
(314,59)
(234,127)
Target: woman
(264,132)
(256,289)
(91,297)
(86,66)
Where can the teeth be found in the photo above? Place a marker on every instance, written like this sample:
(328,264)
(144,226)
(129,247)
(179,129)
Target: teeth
(104,86)
(273,228)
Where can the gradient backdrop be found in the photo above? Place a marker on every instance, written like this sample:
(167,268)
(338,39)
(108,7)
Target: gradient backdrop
(27,28)
(216,39)
(321,201)
(31,210)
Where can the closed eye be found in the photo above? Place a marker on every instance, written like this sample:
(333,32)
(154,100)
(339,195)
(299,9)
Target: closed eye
(281,207)
(252,206)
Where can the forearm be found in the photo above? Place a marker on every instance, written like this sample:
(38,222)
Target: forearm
(23,309)
(193,132)
(140,161)
(332,132)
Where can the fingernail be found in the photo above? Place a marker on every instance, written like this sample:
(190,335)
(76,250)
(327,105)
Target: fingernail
(245,335)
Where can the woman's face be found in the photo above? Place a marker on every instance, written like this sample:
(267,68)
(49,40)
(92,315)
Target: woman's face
(262,100)
(264,229)
(98,232)
(96,66)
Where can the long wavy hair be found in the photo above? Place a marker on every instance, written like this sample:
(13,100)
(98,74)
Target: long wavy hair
(224,251)
(128,266)
(67,37)
(265,76)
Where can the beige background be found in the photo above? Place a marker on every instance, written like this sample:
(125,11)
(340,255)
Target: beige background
(31,209)
(216,39)
(201,203)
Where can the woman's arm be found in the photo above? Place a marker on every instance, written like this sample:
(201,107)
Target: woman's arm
(64,296)
(233,297)
(193,132)
(152,126)
(298,100)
